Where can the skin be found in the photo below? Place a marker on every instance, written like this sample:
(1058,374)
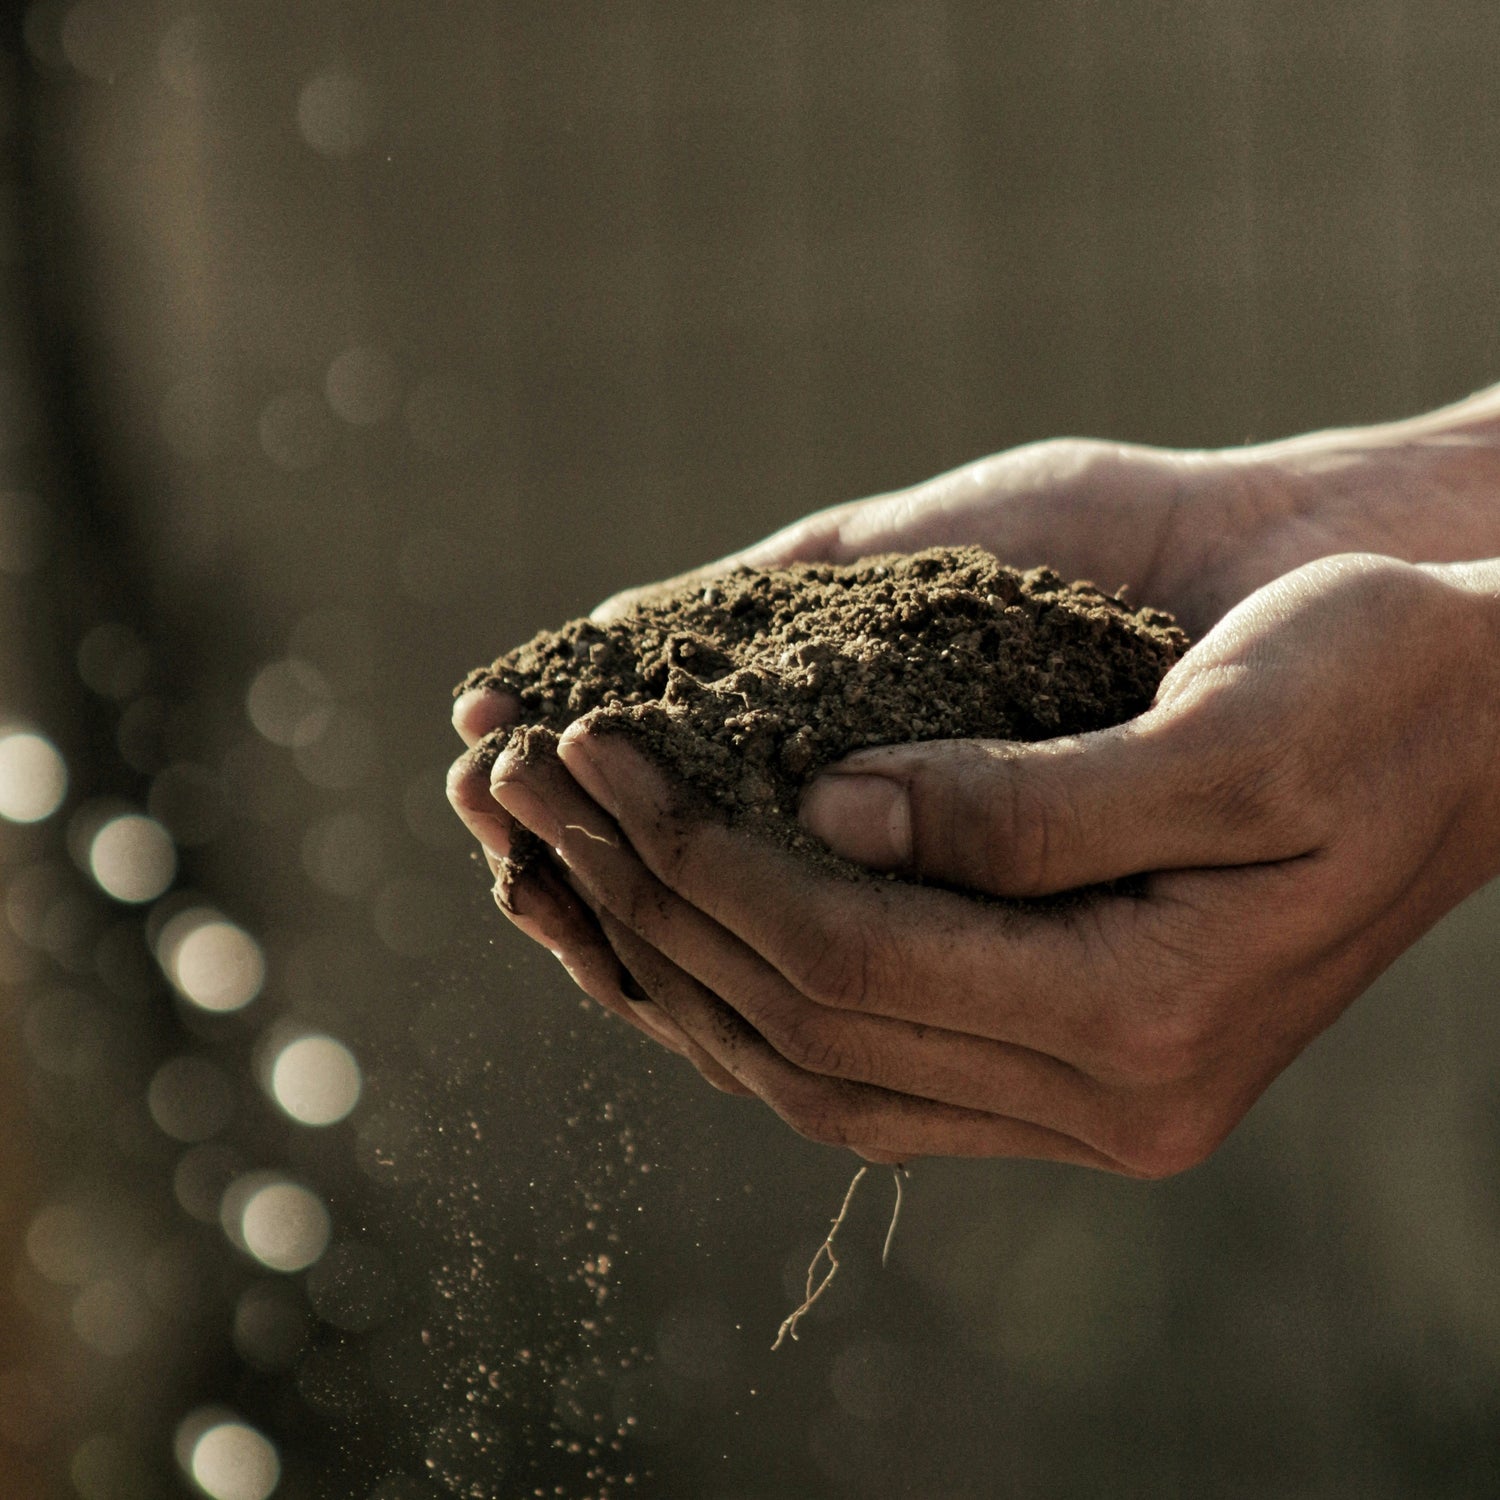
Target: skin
(1310,791)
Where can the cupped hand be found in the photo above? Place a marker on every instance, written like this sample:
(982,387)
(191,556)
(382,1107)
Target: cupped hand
(538,900)
(1308,794)
(1119,514)
(1190,531)
(1195,532)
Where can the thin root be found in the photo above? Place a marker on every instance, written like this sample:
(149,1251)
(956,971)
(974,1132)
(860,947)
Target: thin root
(598,838)
(897,1173)
(788,1327)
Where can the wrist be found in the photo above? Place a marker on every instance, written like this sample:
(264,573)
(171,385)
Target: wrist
(1425,489)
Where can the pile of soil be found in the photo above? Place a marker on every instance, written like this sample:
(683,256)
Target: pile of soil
(745,687)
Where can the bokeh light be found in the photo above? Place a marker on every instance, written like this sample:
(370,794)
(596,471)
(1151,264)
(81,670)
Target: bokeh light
(133,858)
(342,854)
(212,962)
(362,385)
(289,702)
(342,756)
(270,1326)
(111,1317)
(282,1224)
(294,430)
(33,777)
(316,1080)
(202,1178)
(67,1244)
(336,113)
(112,660)
(226,1458)
(183,57)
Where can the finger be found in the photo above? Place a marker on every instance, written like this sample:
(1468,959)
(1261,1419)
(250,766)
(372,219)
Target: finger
(930,1061)
(835,1111)
(1048,981)
(469,796)
(926,971)
(479,711)
(1170,790)
(652,1014)
(541,906)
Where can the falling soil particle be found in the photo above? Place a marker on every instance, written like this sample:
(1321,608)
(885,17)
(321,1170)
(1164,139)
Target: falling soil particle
(746,686)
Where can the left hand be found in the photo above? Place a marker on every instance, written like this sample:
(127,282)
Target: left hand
(1310,791)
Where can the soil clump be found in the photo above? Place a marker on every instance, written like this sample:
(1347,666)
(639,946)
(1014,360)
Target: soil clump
(744,687)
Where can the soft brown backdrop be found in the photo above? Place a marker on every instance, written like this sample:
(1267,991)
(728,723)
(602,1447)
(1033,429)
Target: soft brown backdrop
(406,328)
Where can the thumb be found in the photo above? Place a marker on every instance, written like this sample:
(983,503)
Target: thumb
(1031,819)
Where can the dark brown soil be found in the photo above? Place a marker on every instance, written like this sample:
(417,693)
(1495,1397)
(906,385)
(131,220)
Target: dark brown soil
(747,686)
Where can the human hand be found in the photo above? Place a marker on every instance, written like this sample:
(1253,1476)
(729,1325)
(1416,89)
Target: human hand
(1310,791)
(1192,531)
(539,901)
(1090,508)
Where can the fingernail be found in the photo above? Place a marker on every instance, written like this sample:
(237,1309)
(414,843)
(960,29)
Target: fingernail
(463,708)
(528,809)
(464,789)
(577,754)
(492,833)
(864,818)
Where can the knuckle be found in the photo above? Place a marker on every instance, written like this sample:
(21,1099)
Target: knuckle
(1028,833)
(1267,792)
(1063,459)
(1170,1138)
(1021,816)
(1165,1046)
(1249,776)
(830,965)
(813,1113)
(835,976)
(845,963)
(816,1044)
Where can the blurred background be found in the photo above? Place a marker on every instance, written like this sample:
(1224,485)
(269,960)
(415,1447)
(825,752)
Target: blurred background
(346,343)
